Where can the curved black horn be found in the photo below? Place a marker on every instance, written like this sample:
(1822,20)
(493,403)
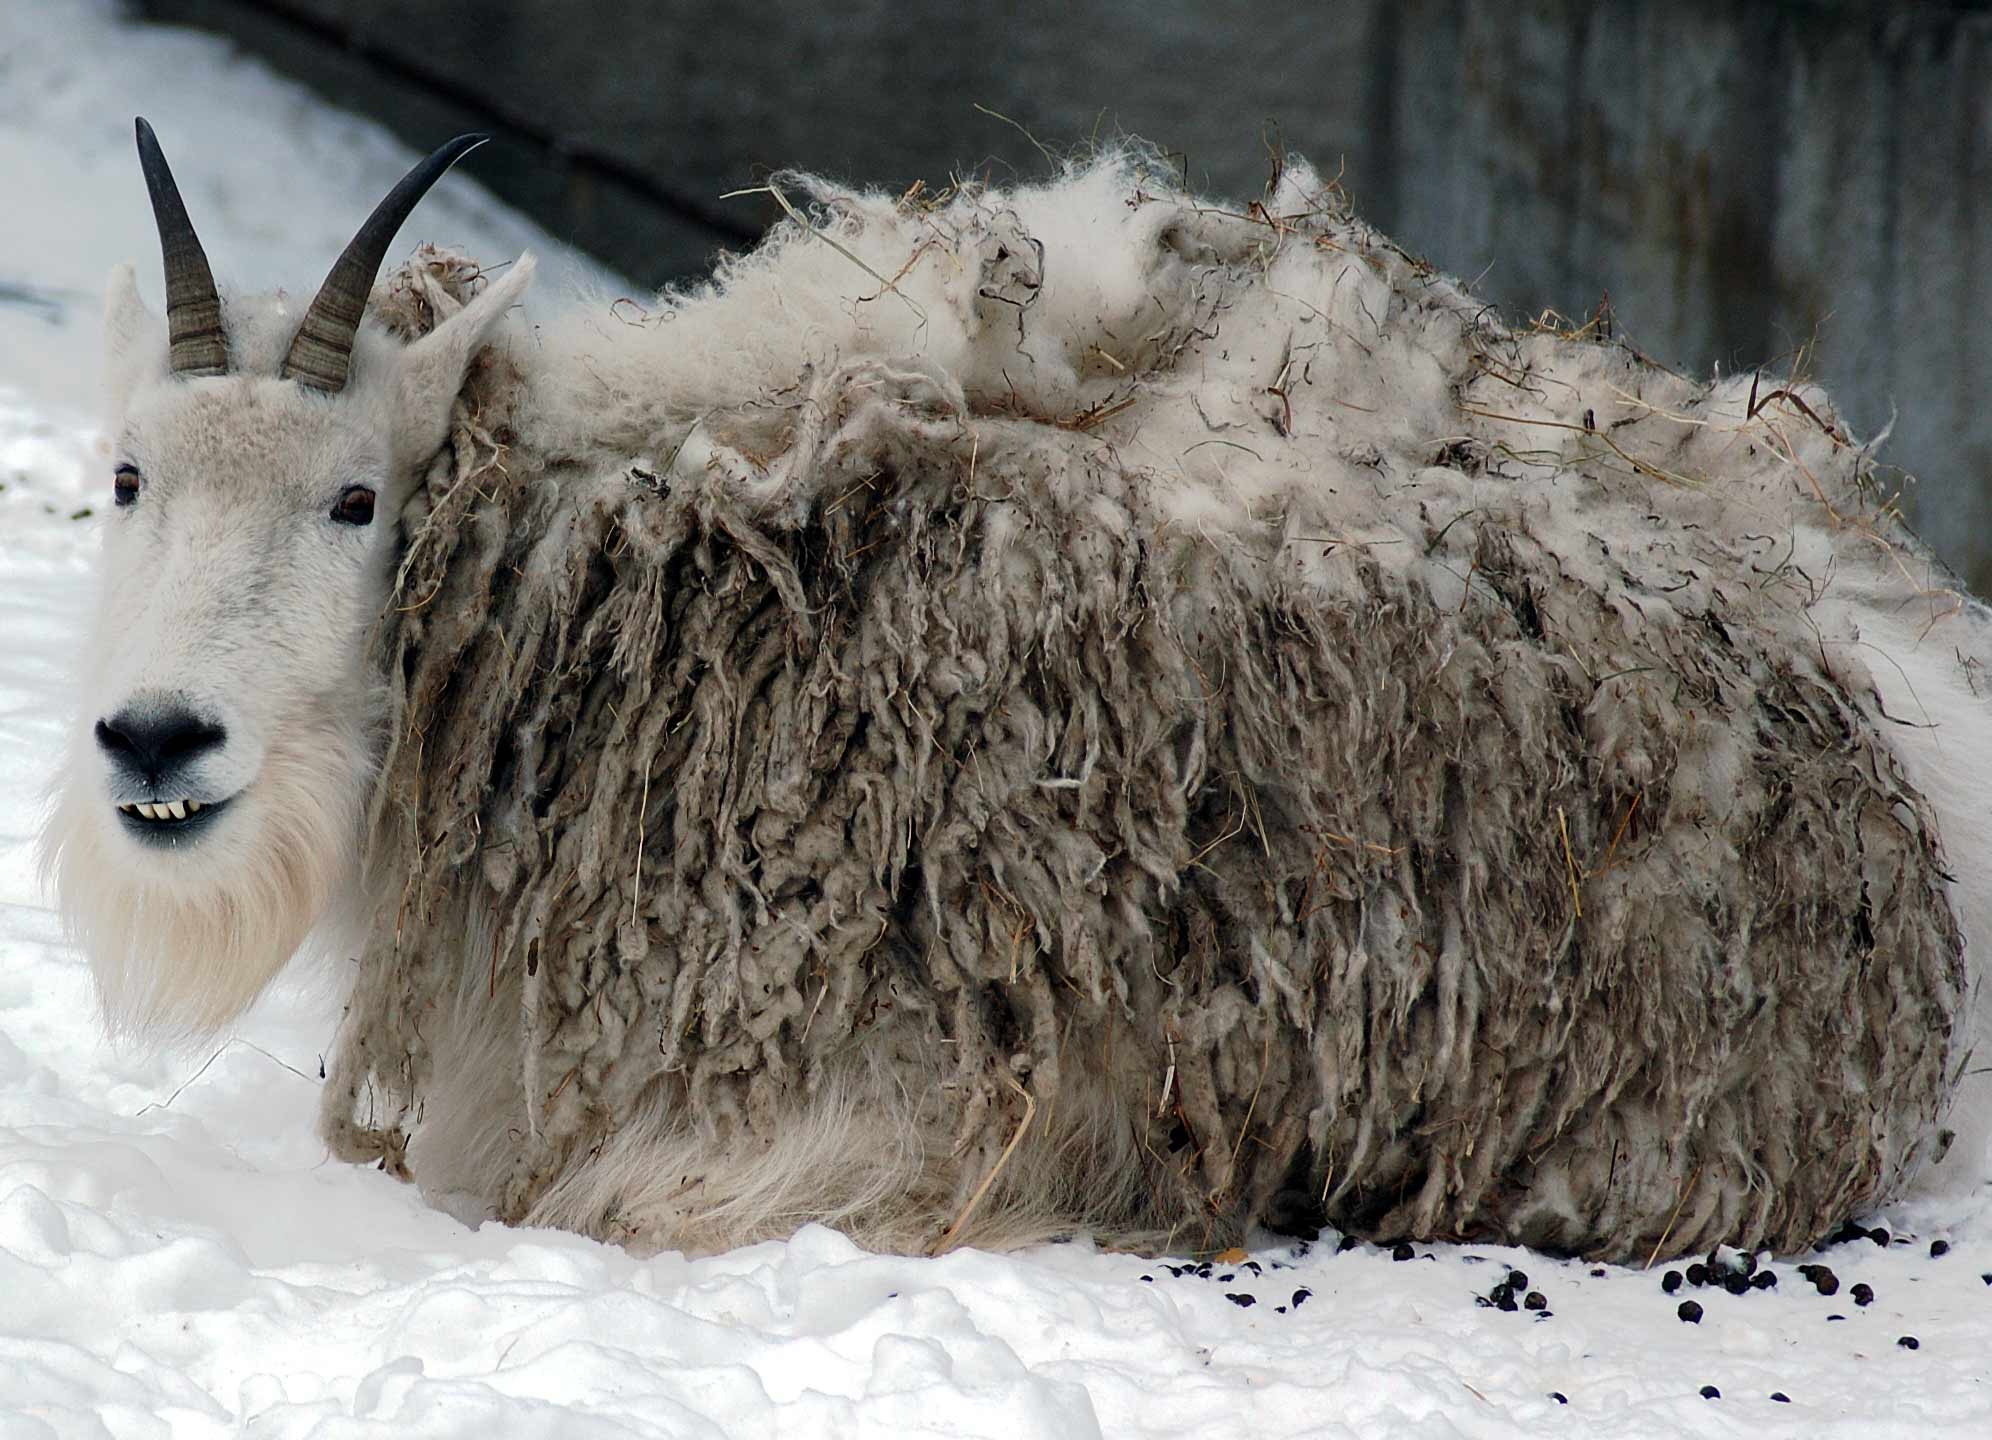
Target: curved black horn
(323,350)
(193,306)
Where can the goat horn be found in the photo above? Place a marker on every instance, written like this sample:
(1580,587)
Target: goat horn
(323,350)
(193,307)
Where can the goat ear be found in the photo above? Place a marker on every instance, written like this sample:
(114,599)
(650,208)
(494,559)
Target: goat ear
(432,369)
(134,341)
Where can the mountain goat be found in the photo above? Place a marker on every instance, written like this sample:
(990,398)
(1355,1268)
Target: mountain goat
(1014,712)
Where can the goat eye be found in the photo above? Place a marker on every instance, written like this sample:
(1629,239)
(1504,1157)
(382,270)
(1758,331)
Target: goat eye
(355,507)
(125,483)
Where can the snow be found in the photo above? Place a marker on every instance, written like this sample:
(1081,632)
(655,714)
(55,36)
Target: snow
(179,1258)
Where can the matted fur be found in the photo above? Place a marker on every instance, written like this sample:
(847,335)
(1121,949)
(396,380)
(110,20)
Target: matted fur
(1075,708)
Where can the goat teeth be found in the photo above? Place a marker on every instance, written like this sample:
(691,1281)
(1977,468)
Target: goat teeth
(144,808)
(193,807)
(178,809)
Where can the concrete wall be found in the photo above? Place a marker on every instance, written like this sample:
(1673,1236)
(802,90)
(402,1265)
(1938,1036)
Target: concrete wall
(1746,179)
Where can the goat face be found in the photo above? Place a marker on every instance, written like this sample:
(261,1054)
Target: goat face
(211,810)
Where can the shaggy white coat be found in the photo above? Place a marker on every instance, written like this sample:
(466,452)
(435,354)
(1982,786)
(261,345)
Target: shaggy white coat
(1278,406)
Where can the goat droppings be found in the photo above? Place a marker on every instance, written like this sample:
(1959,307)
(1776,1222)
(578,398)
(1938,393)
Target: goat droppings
(1690,1312)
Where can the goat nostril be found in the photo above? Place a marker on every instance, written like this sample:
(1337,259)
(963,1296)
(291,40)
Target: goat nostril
(189,738)
(155,739)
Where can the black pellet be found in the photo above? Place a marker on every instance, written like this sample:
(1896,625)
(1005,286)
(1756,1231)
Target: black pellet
(1880,1236)
(1301,1296)
(1690,1312)
(1226,1279)
(1517,1279)
(1243,1302)
(1863,1294)
(1709,1392)
(1149,1278)
(1597,1272)
(1535,1300)
(1402,1251)
(1559,1397)
(1824,1280)
(1909,1342)
(1736,1283)
(1504,1299)
(1347,1242)
(1253,1266)
(1279,1309)
(1781,1397)
(1831,1318)
(1764,1280)
(1698,1274)
(1987,1278)
(1670,1282)
(1939,1249)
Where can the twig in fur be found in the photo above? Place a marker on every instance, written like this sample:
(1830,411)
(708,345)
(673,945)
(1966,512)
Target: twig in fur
(636,875)
(1570,862)
(1686,1190)
(1643,467)
(796,215)
(1049,158)
(1619,835)
(1245,1128)
(946,1242)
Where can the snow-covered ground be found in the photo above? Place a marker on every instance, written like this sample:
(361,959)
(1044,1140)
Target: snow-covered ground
(177,1257)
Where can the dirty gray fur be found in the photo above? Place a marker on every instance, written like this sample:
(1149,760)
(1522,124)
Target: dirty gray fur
(908,734)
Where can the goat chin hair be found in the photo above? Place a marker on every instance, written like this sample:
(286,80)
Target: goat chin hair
(179,952)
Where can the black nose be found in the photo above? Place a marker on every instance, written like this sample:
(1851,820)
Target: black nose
(154,742)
